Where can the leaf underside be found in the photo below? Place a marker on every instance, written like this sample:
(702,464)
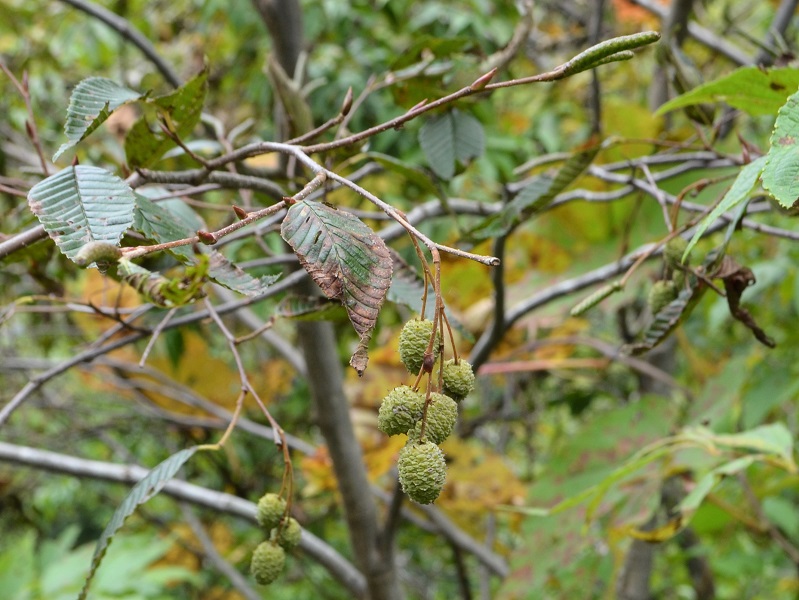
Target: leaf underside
(148,487)
(82,204)
(91,103)
(346,259)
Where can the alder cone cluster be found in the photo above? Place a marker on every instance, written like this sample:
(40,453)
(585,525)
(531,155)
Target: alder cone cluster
(284,533)
(422,468)
(422,471)
(413,342)
(267,563)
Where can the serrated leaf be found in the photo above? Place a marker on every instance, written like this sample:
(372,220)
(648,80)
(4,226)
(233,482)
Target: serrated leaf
(668,319)
(162,225)
(453,136)
(309,308)
(82,204)
(407,288)
(225,273)
(148,487)
(749,89)
(180,111)
(738,192)
(346,259)
(91,103)
(781,172)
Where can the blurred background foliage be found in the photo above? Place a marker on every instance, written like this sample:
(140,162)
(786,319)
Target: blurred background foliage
(533,434)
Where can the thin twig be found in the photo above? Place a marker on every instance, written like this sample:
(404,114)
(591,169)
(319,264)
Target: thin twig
(156,332)
(33,133)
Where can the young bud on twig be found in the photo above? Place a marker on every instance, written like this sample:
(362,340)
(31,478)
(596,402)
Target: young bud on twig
(483,80)
(347,104)
(206,238)
(240,212)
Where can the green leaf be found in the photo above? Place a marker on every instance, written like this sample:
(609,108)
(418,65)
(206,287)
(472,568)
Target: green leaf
(82,204)
(705,485)
(92,102)
(773,438)
(148,487)
(309,308)
(738,192)
(346,259)
(535,197)
(669,318)
(179,111)
(291,97)
(225,273)
(749,89)
(453,136)
(781,172)
(161,225)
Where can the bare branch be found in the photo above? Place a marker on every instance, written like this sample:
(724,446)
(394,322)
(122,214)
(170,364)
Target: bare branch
(314,547)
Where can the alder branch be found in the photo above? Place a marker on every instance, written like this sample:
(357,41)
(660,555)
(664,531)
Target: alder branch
(341,569)
(90,354)
(22,240)
(125,29)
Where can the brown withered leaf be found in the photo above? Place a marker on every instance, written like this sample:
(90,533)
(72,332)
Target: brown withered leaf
(346,259)
(736,279)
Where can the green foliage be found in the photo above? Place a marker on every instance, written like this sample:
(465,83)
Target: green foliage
(82,204)
(161,225)
(178,112)
(560,421)
(55,569)
(143,491)
(92,102)
(450,138)
(739,191)
(753,90)
(782,161)
(535,196)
